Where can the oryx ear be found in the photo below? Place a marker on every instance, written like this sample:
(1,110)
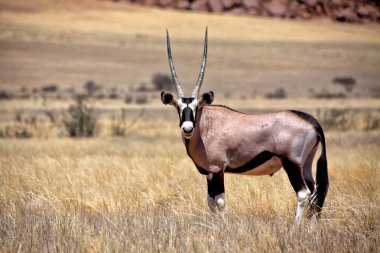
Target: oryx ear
(167,98)
(206,99)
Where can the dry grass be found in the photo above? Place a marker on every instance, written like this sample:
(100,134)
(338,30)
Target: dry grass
(144,194)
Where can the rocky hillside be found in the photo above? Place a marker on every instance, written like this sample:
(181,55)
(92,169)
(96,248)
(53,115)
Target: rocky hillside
(361,11)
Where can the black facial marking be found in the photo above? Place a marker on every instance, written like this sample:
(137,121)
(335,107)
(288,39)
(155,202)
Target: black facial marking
(252,164)
(215,186)
(187,115)
(187,100)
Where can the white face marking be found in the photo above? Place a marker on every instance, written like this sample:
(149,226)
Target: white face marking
(187,126)
(181,106)
(193,106)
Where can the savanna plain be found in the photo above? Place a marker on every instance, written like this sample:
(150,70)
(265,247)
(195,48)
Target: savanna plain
(130,187)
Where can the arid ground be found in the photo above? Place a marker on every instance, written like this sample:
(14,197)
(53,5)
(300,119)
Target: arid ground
(122,45)
(130,187)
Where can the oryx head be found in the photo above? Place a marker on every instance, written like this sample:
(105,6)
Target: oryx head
(187,107)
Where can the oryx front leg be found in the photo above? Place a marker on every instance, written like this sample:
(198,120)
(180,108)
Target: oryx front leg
(215,191)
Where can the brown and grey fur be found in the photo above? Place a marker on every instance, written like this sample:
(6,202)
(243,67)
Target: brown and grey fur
(220,140)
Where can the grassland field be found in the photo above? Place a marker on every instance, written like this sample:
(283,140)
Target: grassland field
(140,192)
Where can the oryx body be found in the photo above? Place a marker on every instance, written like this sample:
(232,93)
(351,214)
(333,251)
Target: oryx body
(221,140)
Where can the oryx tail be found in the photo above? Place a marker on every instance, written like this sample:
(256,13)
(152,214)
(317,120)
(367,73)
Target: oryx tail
(322,177)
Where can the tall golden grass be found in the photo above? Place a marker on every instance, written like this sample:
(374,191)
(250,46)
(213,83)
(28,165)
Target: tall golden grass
(143,194)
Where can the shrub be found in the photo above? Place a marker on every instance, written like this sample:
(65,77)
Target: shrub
(50,88)
(113,96)
(101,96)
(142,87)
(80,120)
(277,94)
(325,94)
(141,99)
(24,126)
(114,93)
(347,82)
(118,126)
(4,95)
(128,99)
(162,82)
(91,87)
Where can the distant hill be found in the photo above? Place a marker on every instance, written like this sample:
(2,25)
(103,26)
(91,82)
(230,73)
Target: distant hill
(341,10)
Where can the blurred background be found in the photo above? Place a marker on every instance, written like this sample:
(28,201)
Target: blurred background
(319,56)
(92,161)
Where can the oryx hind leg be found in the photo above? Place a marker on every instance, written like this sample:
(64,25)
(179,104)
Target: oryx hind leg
(308,177)
(215,191)
(294,172)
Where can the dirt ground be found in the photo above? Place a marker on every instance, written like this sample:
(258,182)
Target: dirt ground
(124,45)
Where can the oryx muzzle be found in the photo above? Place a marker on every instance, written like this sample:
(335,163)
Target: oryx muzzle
(221,140)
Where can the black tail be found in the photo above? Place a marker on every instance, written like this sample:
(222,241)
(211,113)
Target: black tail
(322,173)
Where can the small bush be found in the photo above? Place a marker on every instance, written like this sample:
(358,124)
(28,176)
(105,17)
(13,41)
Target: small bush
(113,96)
(118,126)
(4,95)
(128,99)
(325,94)
(141,99)
(347,82)
(91,87)
(114,93)
(277,94)
(50,88)
(80,120)
(101,96)
(24,126)
(162,82)
(20,131)
(143,88)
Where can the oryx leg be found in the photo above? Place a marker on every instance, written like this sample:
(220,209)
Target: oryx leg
(308,177)
(215,191)
(294,172)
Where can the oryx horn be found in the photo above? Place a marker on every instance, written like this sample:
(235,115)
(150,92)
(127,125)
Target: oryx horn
(202,71)
(172,69)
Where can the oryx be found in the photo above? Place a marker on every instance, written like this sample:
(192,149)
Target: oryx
(221,140)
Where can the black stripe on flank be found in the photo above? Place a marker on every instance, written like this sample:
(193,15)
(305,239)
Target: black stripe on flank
(254,163)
